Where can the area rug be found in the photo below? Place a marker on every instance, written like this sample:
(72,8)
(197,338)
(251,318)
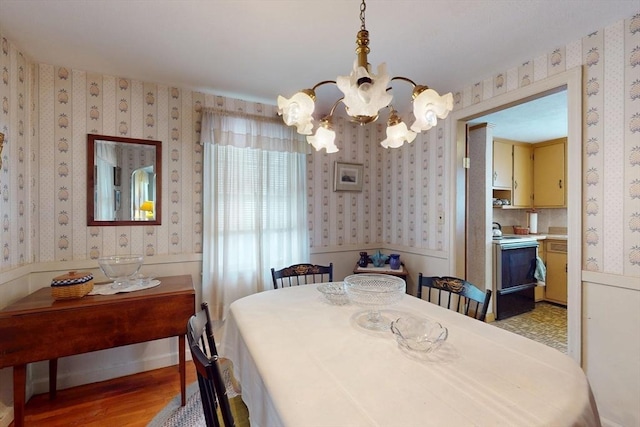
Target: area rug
(174,415)
(191,415)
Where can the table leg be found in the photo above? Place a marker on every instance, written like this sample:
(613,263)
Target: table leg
(53,377)
(19,391)
(183,369)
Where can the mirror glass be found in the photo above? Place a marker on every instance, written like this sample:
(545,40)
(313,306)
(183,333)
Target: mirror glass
(123,186)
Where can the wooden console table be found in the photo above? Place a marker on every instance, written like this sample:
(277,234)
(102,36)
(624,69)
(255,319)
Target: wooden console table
(37,328)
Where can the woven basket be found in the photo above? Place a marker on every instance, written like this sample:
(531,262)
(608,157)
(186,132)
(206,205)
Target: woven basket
(74,284)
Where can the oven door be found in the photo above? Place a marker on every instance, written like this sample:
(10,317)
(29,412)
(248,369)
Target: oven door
(515,281)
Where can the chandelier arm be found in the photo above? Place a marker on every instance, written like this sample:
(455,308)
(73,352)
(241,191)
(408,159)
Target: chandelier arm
(324,82)
(333,107)
(404,79)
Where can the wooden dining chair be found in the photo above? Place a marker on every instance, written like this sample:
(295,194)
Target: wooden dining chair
(455,294)
(301,274)
(219,409)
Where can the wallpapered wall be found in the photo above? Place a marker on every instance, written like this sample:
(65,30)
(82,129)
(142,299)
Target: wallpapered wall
(611,136)
(43,175)
(395,182)
(67,104)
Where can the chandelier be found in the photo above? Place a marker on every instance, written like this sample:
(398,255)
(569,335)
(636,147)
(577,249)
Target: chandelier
(364,95)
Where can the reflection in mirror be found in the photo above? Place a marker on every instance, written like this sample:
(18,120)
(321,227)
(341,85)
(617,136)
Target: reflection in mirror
(123,181)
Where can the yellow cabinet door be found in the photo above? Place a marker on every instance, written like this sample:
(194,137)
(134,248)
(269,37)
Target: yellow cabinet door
(502,165)
(522,176)
(556,280)
(549,187)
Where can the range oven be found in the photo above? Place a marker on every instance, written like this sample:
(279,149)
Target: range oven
(514,269)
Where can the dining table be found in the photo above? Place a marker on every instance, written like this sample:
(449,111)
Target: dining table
(302,361)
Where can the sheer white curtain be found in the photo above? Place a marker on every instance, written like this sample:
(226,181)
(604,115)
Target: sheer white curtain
(105,196)
(254,205)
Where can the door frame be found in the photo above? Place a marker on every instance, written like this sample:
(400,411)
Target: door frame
(572,81)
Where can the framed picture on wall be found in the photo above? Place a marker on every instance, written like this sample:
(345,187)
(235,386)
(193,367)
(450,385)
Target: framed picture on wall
(117,176)
(347,176)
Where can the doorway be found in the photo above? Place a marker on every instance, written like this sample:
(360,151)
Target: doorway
(572,81)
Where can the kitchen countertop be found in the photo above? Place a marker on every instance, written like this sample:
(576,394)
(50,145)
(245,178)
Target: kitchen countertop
(541,236)
(515,237)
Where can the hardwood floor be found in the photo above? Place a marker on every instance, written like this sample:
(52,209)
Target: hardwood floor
(127,401)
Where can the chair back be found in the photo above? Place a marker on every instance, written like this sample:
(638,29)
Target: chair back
(455,294)
(301,274)
(213,392)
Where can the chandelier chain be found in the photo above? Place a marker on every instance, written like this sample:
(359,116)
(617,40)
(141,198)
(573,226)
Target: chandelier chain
(363,8)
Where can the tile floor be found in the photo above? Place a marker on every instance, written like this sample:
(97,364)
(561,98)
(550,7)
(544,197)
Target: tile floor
(547,323)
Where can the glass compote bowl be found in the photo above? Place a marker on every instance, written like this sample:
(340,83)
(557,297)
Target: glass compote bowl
(374,292)
(120,268)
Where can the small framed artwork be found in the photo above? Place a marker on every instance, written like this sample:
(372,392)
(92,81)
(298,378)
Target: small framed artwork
(348,176)
(117,176)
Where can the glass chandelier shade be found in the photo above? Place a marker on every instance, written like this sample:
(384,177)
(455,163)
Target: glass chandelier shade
(324,137)
(298,111)
(397,132)
(365,95)
(428,107)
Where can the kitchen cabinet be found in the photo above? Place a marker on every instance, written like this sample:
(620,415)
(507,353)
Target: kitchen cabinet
(556,263)
(522,176)
(502,164)
(549,180)
(512,172)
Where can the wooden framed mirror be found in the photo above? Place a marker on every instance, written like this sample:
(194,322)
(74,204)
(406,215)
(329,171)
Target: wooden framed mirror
(123,181)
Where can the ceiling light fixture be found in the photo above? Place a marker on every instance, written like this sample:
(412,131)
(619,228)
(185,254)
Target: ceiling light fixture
(365,94)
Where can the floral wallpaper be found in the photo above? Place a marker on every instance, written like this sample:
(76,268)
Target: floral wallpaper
(15,172)
(47,110)
(70,105)
(611,136)
(409,179)
(612,148)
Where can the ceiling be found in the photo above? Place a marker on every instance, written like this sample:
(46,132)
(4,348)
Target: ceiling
(258,49)
(542,119)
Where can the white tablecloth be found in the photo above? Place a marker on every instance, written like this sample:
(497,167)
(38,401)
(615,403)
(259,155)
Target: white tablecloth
(302,362)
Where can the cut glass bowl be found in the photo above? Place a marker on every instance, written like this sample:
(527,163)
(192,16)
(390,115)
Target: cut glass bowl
(374,292)
(334,293)
(120,268)
(418,336)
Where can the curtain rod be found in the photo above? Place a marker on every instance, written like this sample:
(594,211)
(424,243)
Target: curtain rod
(275,119)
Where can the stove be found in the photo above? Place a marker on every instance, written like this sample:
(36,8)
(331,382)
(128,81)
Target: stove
(514,265)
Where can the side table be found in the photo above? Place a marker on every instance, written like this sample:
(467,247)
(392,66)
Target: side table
(37,327)
(402,272)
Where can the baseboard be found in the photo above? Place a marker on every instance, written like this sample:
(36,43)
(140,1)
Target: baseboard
(73,379)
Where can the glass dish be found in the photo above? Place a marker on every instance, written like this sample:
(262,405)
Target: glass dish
(418,336)
(334,293)
(120,268)
(374,292)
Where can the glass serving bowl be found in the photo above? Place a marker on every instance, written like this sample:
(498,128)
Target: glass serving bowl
(120,268)
(418,336)
(374,292)
(334,293)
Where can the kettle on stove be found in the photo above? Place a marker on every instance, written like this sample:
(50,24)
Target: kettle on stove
(496,229)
